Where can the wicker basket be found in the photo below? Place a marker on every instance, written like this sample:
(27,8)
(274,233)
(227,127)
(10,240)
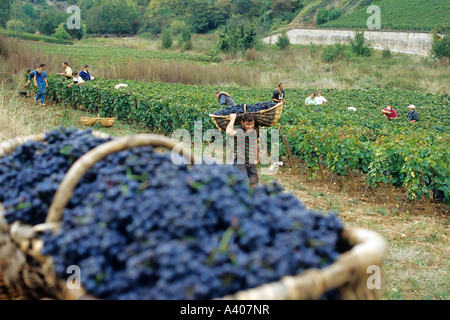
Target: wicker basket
(106,122)
(32,274)
(263,118)
(22,275)
(87,121)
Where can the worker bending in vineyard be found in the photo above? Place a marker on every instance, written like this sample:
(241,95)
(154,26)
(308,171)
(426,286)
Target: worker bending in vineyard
(390,112)
(246,156)
(225,98)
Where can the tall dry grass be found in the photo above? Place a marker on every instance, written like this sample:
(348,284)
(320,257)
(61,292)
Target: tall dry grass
(20,117)
(18,59)
(186,73)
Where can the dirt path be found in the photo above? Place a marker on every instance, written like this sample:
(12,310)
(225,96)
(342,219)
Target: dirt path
(417,264)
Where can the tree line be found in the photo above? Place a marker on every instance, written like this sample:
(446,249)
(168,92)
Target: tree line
(132,17)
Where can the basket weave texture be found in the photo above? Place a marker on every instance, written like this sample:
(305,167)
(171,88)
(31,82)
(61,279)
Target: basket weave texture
(104,122)
(26,273)
(263,118)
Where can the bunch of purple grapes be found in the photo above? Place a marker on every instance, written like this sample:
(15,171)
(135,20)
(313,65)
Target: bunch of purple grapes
(30,176)
(239,108)
(141,227)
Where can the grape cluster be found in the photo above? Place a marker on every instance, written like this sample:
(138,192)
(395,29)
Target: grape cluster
(29,177)
(239,108)
(141,227)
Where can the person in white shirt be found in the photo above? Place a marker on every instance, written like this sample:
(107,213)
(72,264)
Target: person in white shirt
(67,71)
(76,79)
(320,99)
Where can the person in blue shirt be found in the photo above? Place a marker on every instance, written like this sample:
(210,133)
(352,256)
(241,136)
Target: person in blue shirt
(84,74)
(412,114)
(30,76)
(40,81)
(225,99)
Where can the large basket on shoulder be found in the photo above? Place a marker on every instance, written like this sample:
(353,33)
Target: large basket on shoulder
(33,275)
(263,118)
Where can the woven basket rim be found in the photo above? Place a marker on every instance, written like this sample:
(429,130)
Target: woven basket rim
(367,248)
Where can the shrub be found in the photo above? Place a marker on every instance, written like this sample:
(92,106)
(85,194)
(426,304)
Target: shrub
(333,52)
(283,41)
(188,45)
(440,47)
(15,25)
(61,33)
(166,38)
(186,35)
(334,14)
(386,53)
(359,45)
(322,16)
(178,26)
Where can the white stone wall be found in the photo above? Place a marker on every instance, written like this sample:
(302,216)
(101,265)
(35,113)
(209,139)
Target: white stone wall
(397,41)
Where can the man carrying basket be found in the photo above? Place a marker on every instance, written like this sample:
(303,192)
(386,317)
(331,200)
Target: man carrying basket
(246,156)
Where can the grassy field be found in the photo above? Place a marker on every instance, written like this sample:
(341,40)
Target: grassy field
(301,66)
(398,15)
(416,266)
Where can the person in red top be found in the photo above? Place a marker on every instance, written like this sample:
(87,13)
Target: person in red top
(389,112)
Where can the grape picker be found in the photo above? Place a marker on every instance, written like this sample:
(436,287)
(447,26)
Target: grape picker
(225,99)
(246,155)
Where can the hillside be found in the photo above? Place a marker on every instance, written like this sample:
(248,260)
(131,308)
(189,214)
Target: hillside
(307,15)
(398,15)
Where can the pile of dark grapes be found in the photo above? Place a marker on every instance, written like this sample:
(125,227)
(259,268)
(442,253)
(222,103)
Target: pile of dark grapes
(239,108)
(30,176)
(141,227)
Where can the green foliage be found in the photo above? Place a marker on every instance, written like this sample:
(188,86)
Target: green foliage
(15,25)
(114,55)
(29,10)
(61,33)
(410,155)
(359,45)
(440,47)
(334,14)
(283,41)
(322,16)
(333,52)
(398,15)
(114,16)
(166,38)
(33,37)
(177,27)
(201,16)
(5,12)
(76,34)
(386,54)
(186,35)
(50,20)
(237,38)
(188,45)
